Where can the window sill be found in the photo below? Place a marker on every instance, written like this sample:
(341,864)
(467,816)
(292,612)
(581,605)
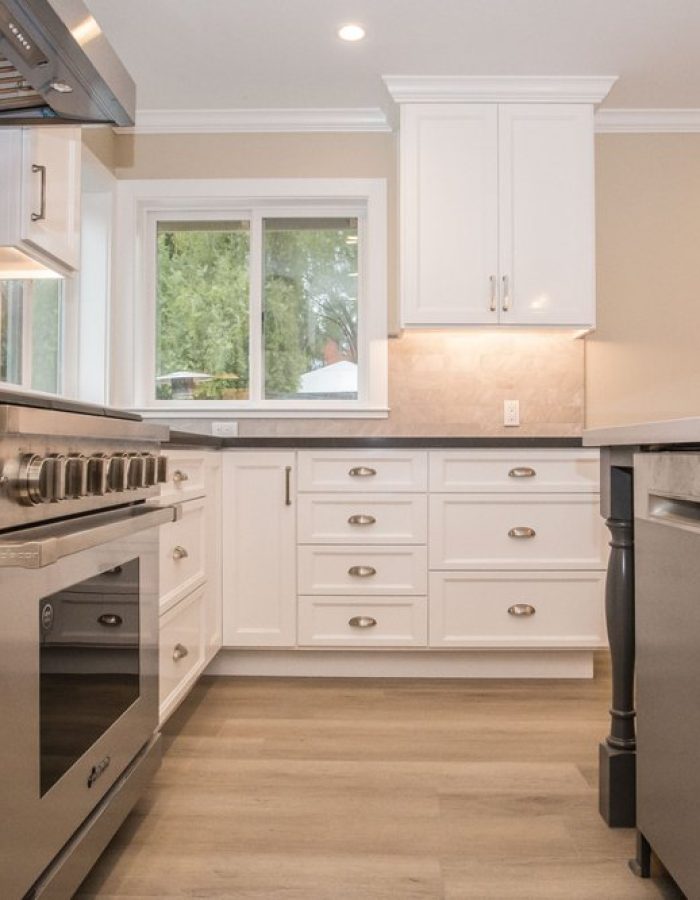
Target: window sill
(228,412)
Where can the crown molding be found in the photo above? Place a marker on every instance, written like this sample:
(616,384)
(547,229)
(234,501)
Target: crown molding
(647,121)
(498,89)
(232,121)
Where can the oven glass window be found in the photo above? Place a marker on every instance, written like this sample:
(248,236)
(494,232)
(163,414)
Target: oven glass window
(89,664)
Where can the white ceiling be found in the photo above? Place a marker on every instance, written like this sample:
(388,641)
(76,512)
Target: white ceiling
(225,54)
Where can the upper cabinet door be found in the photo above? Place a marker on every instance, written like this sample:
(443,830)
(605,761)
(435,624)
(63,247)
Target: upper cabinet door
(546,214)
(449,198)
(50,216)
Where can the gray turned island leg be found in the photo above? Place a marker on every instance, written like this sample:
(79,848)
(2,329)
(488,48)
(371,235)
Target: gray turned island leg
(617,755)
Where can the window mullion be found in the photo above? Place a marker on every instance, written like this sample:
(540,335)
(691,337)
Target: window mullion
(256,350)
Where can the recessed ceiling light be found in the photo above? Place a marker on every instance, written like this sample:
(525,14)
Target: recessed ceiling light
(351,32)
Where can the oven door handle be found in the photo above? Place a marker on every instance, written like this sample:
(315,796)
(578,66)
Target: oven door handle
(45,545)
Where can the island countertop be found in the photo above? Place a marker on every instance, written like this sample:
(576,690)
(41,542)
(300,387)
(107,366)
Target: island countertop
(665,432)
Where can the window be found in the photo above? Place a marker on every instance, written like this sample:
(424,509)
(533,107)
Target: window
(255,298)
(31,334)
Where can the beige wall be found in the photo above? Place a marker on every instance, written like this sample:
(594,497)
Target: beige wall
(643,361)
(449,382)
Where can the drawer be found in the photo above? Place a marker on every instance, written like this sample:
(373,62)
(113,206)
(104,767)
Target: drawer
(362,519)
(181,649)
(362,471)
(380,622)
(182,553)
(511,471)
(378,570)
(540,531)
(523,609)
(186,476)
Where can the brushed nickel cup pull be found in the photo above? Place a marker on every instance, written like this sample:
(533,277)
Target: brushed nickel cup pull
(110,620)
(362,571)
(180,553)
(521,609)
(362,622)
(522,472)
(361,520)
(362,472)
(522,531)
(180,652)
(180,476)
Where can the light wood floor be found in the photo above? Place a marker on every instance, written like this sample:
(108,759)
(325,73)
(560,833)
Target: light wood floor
(331,789)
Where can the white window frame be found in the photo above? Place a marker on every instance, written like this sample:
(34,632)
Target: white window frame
(142,203)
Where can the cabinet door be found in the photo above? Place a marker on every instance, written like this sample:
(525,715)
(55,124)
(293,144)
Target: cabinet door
(51,192)
(546,214)
(259,589)
(449,204)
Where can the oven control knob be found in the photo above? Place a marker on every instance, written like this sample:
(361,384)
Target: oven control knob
(52,478)
(134,477)
(97,467)
(117,473)
(76,476)
(162,467)
(150,470)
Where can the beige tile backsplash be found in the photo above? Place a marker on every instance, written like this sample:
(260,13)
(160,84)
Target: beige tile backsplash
(453,383)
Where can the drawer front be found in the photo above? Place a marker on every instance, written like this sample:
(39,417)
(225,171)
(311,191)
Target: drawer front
(181,650)
(362,519)
(362,471)
(186,473)
(182,553)
(523,609)
(343,622)
(362,570)
(510,471)
(547,531)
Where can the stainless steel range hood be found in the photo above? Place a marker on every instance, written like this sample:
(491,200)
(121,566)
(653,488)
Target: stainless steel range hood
(56,67)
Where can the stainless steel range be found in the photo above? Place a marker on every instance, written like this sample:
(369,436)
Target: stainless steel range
(78,638)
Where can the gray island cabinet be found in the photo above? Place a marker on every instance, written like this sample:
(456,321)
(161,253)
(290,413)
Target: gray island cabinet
(649,778)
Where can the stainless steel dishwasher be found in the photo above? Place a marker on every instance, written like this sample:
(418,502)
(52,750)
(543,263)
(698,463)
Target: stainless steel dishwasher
(667,569)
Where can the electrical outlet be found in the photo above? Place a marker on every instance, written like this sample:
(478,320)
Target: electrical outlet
(511,413)
(224,429)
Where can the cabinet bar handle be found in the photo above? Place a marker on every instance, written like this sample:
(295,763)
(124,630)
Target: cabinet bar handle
(41,215)
(110,620)
(180,652)
(180,553)
(493,303)
(362,472)
(361,520)
(362,622)
(362,571)
(180,476)
(521,609)
(287,485)
(506,294)
(522,472)
(522,531)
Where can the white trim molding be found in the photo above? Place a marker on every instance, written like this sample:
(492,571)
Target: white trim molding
(498,89)
(233,121)
(647,121)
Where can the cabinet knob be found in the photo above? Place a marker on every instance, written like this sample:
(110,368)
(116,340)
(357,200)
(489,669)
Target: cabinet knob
(362,472)
(362,622)
(521,609)
(179,476)
(180,652)
(522,531)
(361,520)
(362,571)
(180,553)
(522,472)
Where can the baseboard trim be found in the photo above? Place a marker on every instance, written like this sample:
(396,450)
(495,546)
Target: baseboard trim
(404,664)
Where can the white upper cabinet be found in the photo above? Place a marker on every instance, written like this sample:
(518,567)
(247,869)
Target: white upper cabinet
(497,202)
(449,215)
(40,181)
(546,214)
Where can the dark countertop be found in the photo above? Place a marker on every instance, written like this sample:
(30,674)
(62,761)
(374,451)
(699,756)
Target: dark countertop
(192,439)
(41,401)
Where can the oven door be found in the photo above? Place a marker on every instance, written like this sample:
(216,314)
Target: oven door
(78,674)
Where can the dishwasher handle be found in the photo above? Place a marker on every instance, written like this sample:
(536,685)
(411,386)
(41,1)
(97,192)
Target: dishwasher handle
(45,545)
